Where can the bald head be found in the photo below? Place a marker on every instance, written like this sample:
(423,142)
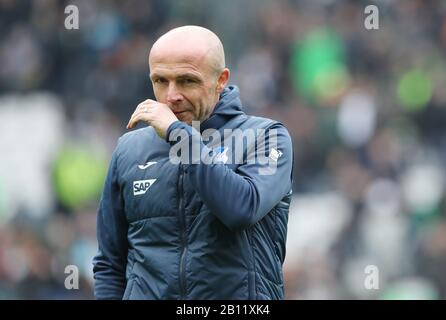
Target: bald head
(193,44)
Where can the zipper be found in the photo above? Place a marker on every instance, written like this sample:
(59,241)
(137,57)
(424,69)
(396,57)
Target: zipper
(182,217)
(251,268)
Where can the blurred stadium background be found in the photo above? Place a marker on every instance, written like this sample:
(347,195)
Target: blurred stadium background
(366,109)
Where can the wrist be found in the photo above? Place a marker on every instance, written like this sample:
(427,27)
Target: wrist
(172,126)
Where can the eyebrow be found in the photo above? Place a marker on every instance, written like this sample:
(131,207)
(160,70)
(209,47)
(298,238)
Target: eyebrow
(189,75)
(181,76)
(155,75)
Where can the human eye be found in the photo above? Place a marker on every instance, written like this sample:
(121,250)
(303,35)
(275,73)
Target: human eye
(159,80)
(187,81)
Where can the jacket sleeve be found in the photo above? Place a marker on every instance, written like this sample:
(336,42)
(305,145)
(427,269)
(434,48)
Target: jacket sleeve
(110,262)
(243,197)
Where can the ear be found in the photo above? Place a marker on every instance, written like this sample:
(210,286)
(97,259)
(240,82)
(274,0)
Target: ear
(223,79)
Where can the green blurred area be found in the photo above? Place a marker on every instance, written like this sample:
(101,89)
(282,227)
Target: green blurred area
(79,174)
(318,69)
(414,90)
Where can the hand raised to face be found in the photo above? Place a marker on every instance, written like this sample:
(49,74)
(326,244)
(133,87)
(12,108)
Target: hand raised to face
(157,115)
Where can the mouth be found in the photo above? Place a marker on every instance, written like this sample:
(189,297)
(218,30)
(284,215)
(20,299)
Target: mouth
(179,112)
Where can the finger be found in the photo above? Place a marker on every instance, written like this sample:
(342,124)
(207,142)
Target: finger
(146,104)
(132,123)
(144,107)
(140,108)
(137,111)
(149,101)
(136,117)
(133,120)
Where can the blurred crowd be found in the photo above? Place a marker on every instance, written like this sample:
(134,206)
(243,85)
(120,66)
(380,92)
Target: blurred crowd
(366,110)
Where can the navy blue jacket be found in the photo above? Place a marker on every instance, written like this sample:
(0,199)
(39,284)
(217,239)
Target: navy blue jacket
(195,231)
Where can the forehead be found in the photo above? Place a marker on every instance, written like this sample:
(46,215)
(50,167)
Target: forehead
(178,60)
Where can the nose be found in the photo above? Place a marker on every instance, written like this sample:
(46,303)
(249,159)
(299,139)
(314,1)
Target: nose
(173,95)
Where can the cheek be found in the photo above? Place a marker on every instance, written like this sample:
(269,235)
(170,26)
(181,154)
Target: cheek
(200,100)
(160,95)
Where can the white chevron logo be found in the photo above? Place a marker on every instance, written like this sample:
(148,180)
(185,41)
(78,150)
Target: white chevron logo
(145,166)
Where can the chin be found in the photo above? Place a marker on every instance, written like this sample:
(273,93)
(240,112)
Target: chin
(185,120)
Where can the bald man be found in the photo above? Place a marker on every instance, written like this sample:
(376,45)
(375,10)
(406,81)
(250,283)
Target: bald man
(178,224)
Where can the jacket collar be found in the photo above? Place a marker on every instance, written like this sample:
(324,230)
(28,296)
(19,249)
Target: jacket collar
(228,107)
